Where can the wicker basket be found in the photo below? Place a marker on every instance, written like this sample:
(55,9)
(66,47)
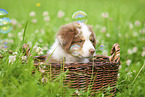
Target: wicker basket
(100,72)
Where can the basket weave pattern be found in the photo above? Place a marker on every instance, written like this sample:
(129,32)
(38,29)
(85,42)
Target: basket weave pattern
(100,72)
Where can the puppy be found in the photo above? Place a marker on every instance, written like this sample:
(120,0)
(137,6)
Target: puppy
(70,35)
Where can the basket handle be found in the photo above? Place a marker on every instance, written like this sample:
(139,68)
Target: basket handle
(26,50)
(115,53)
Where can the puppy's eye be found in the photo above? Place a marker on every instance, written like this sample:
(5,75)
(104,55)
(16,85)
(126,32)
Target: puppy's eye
(92,40)
(80,41)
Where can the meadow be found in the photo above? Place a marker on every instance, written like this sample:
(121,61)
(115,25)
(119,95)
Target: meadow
(114,21)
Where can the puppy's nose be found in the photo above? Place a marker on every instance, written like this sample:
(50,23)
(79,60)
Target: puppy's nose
(92,51)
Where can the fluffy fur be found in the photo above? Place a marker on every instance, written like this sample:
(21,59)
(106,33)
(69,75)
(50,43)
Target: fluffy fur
(69,35)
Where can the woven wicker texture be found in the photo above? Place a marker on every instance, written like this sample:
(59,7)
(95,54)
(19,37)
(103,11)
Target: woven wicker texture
(100,72)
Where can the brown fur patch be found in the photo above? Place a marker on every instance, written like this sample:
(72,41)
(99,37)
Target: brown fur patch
(67,33)
(79,41)
(67,37)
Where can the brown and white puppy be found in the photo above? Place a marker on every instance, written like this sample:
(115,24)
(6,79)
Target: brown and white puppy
(69,35)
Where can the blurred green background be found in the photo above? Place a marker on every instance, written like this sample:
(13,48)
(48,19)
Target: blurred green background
(124,24)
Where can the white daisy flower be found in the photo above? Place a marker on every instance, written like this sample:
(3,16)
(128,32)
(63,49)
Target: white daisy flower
(135,34)
(21,38)
(36,31)
(143,54)
(119,34)
(12,59)
(20,34)
(34,21)
(47,18)
(118,75)
(42,31)
(60,14)
(129,73)
(39,50)
(130,25)
(134,71)
(40,40)
(22,30)
(11,41)
(10,35)
(107,34)
(137,23)
(40,53)
(45,13)
(42,71)
(14,22)
(15,53)
(24,57)
(143,39)
(45,48)
(19,25)
(128,62)
(36,43)
(34,47)
(44,80)
(103,29)
(77,92)
(105,14)
(142,31)
(41,63)
(135,49)
(44,67)
(30,44)
(32,14)
(143,48)
(120,67)
(129,51)
(26,69)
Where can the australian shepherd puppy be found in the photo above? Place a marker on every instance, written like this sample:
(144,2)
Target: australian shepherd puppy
(70,35)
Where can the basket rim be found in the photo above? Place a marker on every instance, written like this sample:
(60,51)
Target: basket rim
(78,64)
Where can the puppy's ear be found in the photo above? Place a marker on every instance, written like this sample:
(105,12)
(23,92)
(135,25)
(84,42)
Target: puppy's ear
(66,34)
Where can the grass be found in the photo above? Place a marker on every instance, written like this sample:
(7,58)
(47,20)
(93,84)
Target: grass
(125,25)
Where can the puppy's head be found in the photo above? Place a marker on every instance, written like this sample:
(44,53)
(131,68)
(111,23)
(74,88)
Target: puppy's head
(70,35)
